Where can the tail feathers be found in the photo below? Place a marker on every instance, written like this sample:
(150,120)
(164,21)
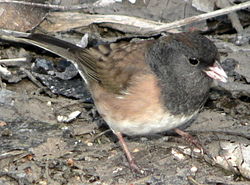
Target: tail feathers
(52,41)
(61,48)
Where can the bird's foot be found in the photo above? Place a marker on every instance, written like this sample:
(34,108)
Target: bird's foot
(135,168)
(132,164)
(189,138)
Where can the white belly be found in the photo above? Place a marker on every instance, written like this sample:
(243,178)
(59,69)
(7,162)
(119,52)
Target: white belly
(154,124)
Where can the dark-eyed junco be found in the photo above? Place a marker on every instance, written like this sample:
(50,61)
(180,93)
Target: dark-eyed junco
(147,86)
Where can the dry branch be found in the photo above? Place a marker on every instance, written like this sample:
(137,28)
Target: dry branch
(131,24)
(49,6)
(64,21)
(201,17)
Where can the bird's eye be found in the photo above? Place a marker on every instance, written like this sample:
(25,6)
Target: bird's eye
(194,61)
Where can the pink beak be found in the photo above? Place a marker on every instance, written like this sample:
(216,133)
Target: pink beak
(216,72)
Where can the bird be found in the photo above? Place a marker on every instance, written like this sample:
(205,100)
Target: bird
(147,86)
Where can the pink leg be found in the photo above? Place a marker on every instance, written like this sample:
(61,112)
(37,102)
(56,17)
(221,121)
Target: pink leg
(129,156)
(189,138)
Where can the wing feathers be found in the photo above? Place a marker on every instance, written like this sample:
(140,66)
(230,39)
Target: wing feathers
(111,65)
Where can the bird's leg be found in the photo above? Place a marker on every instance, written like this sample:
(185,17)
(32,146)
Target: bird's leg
(129,156)
(189,138)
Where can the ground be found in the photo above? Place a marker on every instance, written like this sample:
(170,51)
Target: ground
(38,149)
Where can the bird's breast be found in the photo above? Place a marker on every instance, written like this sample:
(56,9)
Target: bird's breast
(138,110)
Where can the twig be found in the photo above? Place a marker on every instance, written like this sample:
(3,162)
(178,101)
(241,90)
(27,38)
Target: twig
(49,6)
(193,181)
(91,140)
(32,78)
(36,82)
(201,17)
(15,61)
(14,33)
(63,21)
(54,100)
(76,102)
(232,16)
